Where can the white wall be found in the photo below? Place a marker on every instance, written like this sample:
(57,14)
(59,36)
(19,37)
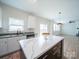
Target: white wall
(70,28)
(0,16)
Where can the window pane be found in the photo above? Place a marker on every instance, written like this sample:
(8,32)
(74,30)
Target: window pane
(43,28)
(13,21)
(16,24)
(56,27)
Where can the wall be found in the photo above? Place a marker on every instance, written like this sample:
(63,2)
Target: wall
(44,21)
(70,28)
(8,11)
(0,16)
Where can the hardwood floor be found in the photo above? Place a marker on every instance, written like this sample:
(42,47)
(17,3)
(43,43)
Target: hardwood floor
(71,47)
(15,55)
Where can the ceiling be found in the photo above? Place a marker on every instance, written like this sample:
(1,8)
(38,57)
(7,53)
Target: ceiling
(57,10)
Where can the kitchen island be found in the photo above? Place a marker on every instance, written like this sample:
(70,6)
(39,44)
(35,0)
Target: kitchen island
(41,48)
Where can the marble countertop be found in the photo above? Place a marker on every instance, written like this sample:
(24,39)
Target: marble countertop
(35,47)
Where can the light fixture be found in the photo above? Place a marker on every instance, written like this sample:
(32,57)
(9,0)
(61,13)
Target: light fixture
(59,12)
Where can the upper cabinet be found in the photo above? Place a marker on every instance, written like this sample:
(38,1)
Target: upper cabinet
(31,22)
(0,17)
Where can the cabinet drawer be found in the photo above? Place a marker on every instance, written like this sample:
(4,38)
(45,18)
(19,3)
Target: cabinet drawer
(3,47)
(58,46)
(45,56)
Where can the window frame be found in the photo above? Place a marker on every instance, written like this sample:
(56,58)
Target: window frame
(16,24)
(43,28)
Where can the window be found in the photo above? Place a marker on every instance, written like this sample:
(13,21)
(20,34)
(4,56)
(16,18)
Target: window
(43,28)
(16,24)
(56,27)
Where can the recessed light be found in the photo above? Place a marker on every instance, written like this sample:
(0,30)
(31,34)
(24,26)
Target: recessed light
(35,0)
(32,1)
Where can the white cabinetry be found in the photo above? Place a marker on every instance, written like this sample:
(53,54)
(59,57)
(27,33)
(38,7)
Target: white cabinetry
(31,22)
(13,44)
(8,45)
(0,17)
(22,37)
(3,46)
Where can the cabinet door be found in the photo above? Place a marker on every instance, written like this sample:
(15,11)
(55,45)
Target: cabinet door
(0,17)
(22,37)
(31,22)
(56,51)
(3,46)
(13,44)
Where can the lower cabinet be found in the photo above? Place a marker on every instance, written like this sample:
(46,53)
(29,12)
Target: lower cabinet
(47,55)
(13,44)
(3,47)
(53,53)
(8,45)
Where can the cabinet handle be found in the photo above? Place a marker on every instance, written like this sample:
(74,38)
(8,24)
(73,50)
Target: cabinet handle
(55,48)
(55,52)
(45,57)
